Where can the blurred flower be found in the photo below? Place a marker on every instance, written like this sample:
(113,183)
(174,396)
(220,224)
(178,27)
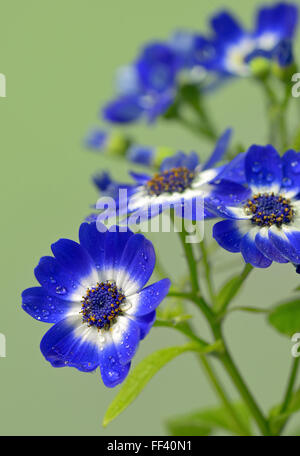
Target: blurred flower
(94,294)
(232,49)
(265,225)
(112,142)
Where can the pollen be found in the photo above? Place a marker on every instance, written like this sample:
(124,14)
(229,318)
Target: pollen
(268,209)
(174,180)
(101,305)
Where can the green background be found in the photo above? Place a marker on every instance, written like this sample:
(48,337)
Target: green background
(59,58)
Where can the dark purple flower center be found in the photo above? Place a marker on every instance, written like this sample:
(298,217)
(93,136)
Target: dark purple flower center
(174,180)
(101,305)
(269,209)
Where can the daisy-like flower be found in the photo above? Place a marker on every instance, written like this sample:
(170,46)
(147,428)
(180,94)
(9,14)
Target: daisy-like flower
(94,294)
(231,48)
(265,226)
(181,184)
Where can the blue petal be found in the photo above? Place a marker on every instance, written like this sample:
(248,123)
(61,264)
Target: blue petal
(147,300)
(158,105)
(67,344)
(265,245)
(142,155)
(145,323)
(59,281)
(126,337)
(76,260)
(157,67)
(250,252)
(229,234)
(136,264)
(125,109)
(263,168)
(97,139)
(235,170)
(102,180)
(226,27)
(115,244)
(227,193)
(280,19)
(39,305)
(285,243)
(291,172)
(219,150)
(189,161)
(140,178)
(112,372)
(93,242)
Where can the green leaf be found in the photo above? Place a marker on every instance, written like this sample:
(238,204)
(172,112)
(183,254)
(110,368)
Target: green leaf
(286,317)
(277,419)
(231,288)
(203,422)
(250,309)
(140,376)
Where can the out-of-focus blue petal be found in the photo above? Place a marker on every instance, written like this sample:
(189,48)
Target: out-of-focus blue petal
(157,67)
(226,27)
(219,150)
(124,109)
(280,19)
(142,155)
(97,139)
(180,159)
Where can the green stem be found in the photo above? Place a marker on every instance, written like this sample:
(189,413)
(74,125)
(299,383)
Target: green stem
(244,392)
(195,128)
(289,391)
(222,395)
(207,270)
(290,386)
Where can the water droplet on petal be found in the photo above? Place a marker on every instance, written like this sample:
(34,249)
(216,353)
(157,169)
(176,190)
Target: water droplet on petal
(256,167)
(61,290)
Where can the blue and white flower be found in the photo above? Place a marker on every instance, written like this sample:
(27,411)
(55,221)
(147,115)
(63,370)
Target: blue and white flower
(265,225)
(231,48)
(181,184)
(94,294)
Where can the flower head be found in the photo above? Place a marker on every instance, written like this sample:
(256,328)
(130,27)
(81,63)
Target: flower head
(265,225)
(94,294)
(232,49)
(181,184)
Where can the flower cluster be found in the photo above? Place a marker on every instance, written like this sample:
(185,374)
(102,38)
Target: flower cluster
(151,84)
(94,292)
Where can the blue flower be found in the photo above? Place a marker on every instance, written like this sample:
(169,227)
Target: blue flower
(265,225)
(180,184)
(94,294)
(142,155)
(231,48)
